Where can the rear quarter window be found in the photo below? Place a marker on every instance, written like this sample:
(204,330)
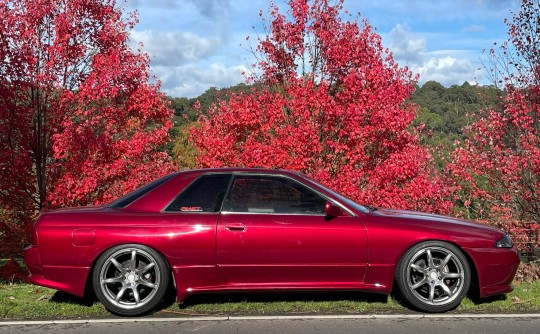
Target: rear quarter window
(204,195)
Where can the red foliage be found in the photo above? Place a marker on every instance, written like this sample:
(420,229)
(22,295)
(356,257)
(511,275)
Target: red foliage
(496,170)
(12,272)
(516,61)
(79,123)
(330,103)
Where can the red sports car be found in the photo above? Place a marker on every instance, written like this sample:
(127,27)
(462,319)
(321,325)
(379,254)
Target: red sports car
(261,230)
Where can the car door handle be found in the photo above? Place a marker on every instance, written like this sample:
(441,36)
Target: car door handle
(236,227)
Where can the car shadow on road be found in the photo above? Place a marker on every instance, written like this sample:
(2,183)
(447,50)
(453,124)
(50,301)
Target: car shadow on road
(480,301)
(238,297)
(263,297)
(63,297)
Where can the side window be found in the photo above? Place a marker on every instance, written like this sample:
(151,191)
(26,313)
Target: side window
(204,195)
(267,194)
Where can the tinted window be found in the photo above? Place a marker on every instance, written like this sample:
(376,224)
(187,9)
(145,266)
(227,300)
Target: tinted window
(138,193)
(203,195)
(267,194)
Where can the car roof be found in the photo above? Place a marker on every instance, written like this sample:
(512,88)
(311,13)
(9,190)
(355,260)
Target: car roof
(242,170)
(156,199)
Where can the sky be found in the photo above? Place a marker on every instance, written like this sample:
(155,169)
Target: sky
(198,44)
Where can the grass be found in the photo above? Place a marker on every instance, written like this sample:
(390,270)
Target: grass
(25,301)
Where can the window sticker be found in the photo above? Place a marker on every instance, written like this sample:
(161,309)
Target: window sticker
(191,209)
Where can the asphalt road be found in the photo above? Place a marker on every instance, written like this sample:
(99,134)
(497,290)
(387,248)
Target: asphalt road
(456,324)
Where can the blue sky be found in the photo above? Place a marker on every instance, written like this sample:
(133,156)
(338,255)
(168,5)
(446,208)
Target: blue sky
(198,44)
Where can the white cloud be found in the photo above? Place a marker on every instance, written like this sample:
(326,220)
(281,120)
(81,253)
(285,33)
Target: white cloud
(189,43)
(185,63)
(194,44)
(174,48)
(405,46)
(191,81)
(445,66)
(447,70)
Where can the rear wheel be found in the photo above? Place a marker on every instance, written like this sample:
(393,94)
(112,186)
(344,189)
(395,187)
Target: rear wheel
(130,280)
(433,276)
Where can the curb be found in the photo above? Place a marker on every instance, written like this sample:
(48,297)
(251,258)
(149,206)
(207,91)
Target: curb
(278,317)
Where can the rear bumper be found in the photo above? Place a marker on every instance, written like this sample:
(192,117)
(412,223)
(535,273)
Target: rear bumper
(32,259)
(496,268)
(68,279)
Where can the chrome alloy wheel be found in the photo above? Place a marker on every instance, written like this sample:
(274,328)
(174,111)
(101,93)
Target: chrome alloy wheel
(435,276)
(130,278)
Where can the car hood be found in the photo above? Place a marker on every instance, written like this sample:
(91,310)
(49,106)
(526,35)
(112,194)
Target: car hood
(433,219)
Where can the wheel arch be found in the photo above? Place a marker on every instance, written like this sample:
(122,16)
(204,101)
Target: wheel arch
(89,290)
(424,296)
(474,288)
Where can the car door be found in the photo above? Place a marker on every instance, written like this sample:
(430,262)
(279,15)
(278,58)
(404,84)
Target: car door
(192,218)
(273,230)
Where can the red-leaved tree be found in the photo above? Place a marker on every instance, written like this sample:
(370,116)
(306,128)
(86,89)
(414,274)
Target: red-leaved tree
(497,167)
(330,102)
(516,61)
(498,164)
(79,122)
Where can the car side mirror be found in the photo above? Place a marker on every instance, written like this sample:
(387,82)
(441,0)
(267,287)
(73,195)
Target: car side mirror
(332,210)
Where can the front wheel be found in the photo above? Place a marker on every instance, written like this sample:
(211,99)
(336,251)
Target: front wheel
(130,280)
(433,276)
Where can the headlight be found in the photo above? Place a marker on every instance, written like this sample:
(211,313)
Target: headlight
(505,242)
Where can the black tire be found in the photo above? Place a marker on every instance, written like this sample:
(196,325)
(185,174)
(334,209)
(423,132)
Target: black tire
(130,280)
(433,276)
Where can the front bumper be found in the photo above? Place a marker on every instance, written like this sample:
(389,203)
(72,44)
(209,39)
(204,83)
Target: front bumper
(496,268)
